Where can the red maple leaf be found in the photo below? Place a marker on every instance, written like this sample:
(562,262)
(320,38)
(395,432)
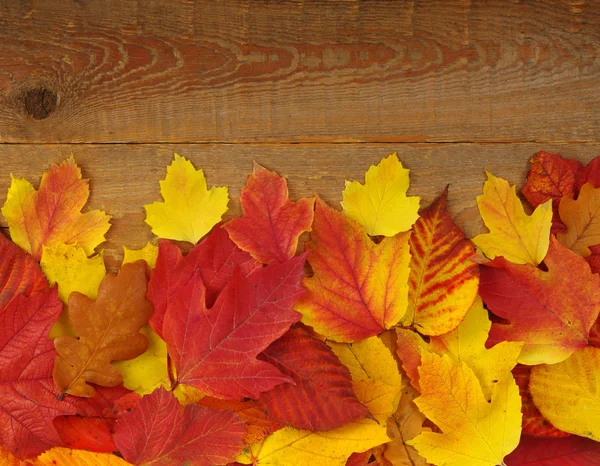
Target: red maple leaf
(215,349)
(571,451)
(322,397)
(214,258)
(161,432)
(271,224)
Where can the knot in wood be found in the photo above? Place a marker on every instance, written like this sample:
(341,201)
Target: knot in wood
(40,102)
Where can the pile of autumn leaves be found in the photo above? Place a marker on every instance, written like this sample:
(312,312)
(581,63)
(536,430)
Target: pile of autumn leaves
(384,353)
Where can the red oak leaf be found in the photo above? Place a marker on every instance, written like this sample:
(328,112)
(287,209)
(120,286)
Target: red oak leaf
(533,422)
(590,174)
(271,224)
(214,258)
(322,398)
(571,451)
(552,312)
(160,432)
(19,273)
(215,349)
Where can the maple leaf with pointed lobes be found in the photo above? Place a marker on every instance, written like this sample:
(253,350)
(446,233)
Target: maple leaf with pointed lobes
(214,349)
(271,224)
(53,212)
(514,235)
(475,432)
(189,210)
(582,220)
(322,397)
(108,331)
(572,451)
(443,282)
(564,391)
(160,432)
(215,258)
(552,312)
(359,288)
(381,204)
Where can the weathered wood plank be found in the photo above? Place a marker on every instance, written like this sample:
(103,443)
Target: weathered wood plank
(125,177)
(295,70)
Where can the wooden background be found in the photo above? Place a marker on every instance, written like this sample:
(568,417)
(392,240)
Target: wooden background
(317,90)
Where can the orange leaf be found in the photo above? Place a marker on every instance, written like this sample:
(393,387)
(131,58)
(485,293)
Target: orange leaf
(582,219)
(271,224)
(359,288)
(53,212)
(443,281)
(108,331)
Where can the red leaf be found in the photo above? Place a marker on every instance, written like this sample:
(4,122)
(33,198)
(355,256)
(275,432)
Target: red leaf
(590,174)
(160,431)
(359,459)
(322,397)
(552,312)
(19,273)
(533,422)
(214,258)
(571,451)
(594,259)
(215,349)
(271,224)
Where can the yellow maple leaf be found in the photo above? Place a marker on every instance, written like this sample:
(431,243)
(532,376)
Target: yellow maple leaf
(148,253)
(381,204)
(149,370)
(514,235)
(66,456)
(189,210)
(377,386)
(475,432)
(582,219)
(568,393)
(68,266)
(53,212)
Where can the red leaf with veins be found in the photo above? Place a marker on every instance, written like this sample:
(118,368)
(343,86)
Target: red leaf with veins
(322,397)
(215,349)
(214,258)
(159,431)
(271,224)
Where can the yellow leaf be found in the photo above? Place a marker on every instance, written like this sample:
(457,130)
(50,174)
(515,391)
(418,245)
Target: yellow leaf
(66,456)
(568,393)
(381,204)
(375,376)
(187,395)
(148,253)
(379,387)
(149,370)
(514,235)
(474,432)
(8,459)
(465,344)
(582,219)
(69,267)
(189,209)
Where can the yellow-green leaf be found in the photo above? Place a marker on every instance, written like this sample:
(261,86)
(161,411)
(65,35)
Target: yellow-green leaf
(568,393)
(381,204)
(189,210)
(514,235)
(474,432)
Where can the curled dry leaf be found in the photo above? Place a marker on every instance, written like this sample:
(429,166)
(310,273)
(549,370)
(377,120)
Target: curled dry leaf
(108,330)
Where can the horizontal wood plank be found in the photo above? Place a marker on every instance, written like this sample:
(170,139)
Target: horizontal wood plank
(294,70)
(125,177)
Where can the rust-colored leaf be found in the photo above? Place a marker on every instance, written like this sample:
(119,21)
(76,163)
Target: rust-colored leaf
(107,329)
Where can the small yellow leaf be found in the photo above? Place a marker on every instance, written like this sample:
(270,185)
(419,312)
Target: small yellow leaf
(189,210)
(514,235)
(375,376)
(381,204)
(148,253)
(66,456)
(474,432)
(69,267)
(568,393)
(187,395)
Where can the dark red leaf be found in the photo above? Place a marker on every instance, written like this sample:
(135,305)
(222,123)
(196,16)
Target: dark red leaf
(570,451)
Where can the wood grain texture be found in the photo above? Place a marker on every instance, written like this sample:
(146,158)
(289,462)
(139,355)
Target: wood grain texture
(125,177)
(294,70)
